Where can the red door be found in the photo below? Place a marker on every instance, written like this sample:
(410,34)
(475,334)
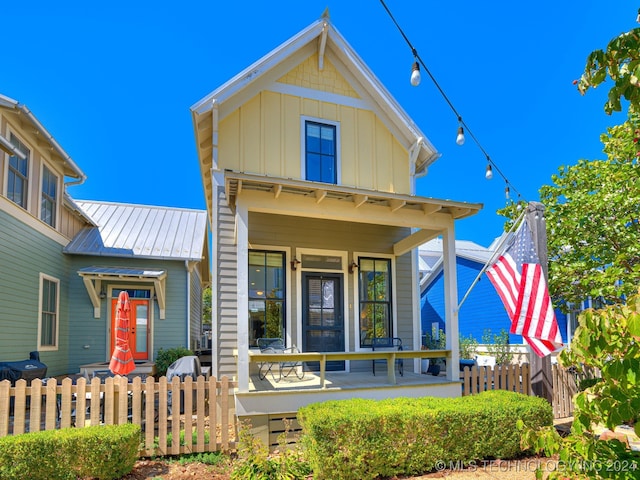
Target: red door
(138,327)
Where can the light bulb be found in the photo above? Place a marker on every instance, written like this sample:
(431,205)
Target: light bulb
(460,137)
(506,192)
(415,74)
(488,174)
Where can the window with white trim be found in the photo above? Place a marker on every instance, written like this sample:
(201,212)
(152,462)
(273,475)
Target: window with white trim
(49,200)
(320,152)
(266,295)
(374,283)
(18,174)
(49,305)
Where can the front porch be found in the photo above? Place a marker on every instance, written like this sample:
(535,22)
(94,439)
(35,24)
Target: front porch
(288,394)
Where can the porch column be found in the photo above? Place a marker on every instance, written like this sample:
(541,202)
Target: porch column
(451,301)
(242,243)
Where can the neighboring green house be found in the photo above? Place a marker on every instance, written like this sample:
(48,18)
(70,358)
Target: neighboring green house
(63,262)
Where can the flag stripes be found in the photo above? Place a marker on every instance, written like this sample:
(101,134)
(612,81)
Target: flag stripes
(519,280)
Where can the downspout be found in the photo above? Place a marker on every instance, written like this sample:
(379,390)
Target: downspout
(189,270)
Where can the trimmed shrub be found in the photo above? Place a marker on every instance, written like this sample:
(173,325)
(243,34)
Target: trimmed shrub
(102,452)
(357,438)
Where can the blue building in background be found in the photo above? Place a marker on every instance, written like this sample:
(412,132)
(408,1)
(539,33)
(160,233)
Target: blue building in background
(482,310)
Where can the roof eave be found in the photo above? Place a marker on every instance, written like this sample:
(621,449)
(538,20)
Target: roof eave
(72,170)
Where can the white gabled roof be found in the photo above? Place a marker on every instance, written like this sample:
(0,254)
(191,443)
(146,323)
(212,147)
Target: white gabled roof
(337,44)
(430,254)
(323,38)
(464,248)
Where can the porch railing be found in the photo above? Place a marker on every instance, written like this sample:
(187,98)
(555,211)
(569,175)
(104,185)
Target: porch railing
(176,417)
(324,357)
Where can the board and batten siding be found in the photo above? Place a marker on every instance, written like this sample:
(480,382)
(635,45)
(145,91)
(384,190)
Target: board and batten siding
(27,253)
(263,136)
(70,223)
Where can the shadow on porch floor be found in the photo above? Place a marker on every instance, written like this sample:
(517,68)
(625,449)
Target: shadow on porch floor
(342,381)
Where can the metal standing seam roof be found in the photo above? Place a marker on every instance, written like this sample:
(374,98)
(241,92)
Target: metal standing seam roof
(141,231)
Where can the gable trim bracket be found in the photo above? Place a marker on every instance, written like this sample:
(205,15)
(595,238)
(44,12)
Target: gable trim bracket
(93,287)
(92,280)
(322,44)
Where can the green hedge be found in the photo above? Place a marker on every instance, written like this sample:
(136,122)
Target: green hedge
(361,439)
(102,452)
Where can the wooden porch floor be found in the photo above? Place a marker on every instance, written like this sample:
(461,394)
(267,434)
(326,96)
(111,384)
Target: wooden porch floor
(341,381)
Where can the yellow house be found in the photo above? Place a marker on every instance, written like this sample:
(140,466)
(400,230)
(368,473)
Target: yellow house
(309,167)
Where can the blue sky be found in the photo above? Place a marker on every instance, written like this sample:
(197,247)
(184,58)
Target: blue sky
(113,83)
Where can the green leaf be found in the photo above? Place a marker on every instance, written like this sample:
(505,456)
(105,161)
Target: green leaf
(633,324)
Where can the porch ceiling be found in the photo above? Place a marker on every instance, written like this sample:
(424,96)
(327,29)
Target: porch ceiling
(321,200)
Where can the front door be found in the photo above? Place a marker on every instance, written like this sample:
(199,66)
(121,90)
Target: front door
(138,327)
(322,316)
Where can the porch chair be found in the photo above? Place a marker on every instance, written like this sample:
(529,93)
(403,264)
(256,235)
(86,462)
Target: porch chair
(387,344)
(285,368)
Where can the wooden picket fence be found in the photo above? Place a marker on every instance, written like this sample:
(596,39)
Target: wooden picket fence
(164,410)
(515,378)
(565,386)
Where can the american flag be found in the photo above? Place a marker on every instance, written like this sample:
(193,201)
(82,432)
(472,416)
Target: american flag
(519,280)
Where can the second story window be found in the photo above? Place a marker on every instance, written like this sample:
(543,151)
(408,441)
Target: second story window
(49,197)
(320,159)
(18,175)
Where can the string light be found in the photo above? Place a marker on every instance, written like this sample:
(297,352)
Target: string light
(460,137)
(506,192)
(488,173)
(415,74)
(462,127)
